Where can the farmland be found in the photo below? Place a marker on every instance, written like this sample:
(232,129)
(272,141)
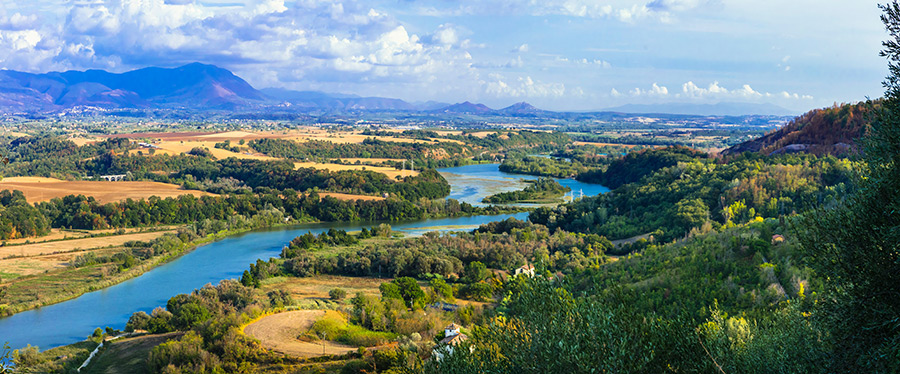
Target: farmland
(37,189)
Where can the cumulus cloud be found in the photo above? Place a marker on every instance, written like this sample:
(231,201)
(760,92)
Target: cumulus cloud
(268,42)
(655,90)
(714,91)
(498,86)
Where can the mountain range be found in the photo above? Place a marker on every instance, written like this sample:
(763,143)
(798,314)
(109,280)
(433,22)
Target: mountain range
(199,86)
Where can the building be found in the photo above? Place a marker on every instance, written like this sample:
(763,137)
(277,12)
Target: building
(527,269)
(452,338)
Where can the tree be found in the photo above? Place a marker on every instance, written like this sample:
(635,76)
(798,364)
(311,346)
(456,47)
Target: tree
(855,246)
(390,291)
(138,321)
(475,272)
(410,291)
(5,355)
(337,294)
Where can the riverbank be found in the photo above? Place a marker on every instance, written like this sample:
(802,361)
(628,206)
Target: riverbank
(54,287)
(63,285)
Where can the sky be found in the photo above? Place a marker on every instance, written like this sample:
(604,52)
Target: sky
(555,54)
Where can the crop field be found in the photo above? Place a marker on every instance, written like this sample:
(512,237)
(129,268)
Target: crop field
(345,196)
(37,189)
(390,172)
(63,246)
(317,287)
(279,333)
(605,144)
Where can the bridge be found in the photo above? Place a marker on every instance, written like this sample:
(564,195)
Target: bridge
(113,178)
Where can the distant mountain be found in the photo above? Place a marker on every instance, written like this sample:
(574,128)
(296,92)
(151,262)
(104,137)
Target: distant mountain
(192,86)
(522,109)
(465,108)
(833,130)
(720,109)
(330,101)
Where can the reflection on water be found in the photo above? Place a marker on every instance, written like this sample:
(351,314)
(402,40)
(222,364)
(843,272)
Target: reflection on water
(472,183)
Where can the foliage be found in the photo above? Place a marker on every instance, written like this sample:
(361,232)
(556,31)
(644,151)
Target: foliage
(833,130)
(337,294)
(543,188)
(636,165)
(543,166)
(855,246)
(675,199)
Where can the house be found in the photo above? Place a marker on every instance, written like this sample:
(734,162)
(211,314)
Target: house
(452,338)
(777,239)
(527,269)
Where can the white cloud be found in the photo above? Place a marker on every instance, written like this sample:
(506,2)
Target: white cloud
(500,87)
(712,92)
(521,49)
(655,90)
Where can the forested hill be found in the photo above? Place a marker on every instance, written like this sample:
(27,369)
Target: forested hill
(831,130)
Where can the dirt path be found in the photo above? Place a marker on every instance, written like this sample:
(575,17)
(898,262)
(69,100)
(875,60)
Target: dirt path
(279,333)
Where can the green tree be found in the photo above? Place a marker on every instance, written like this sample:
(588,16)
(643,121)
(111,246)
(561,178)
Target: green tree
(410,291)
(475,272)
(856,246)
(441,289)
(390,291)
(337,294)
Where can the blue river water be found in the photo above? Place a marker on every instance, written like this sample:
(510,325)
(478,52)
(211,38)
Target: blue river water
(472,183)
(72,321)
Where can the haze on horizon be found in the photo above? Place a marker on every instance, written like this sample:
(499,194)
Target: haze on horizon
(555,54)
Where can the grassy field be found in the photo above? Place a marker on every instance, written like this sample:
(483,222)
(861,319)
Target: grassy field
(37,189)
(316,288)
(280,332)
(71,245)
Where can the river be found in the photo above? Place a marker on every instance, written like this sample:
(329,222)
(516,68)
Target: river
(72,321)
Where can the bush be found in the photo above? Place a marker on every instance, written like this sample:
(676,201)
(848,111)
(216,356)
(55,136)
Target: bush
(337,294)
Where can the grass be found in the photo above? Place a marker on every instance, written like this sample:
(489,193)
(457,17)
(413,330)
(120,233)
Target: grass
(334,325)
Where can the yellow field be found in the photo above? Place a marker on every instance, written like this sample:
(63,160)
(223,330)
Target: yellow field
(21,267)
(390,172)
(59,234)
(46,248)
(317,287)
(38,189)
(605,144)
(279,333)
(344,196)
(371,160)
(37,258)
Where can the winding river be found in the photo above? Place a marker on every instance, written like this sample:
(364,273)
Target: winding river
(72,321)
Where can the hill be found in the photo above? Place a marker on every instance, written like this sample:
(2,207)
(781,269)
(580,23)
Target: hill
(192,86)
(466,108)
(831,130)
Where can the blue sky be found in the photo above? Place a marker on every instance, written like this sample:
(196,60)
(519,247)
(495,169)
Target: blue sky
(555,54)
